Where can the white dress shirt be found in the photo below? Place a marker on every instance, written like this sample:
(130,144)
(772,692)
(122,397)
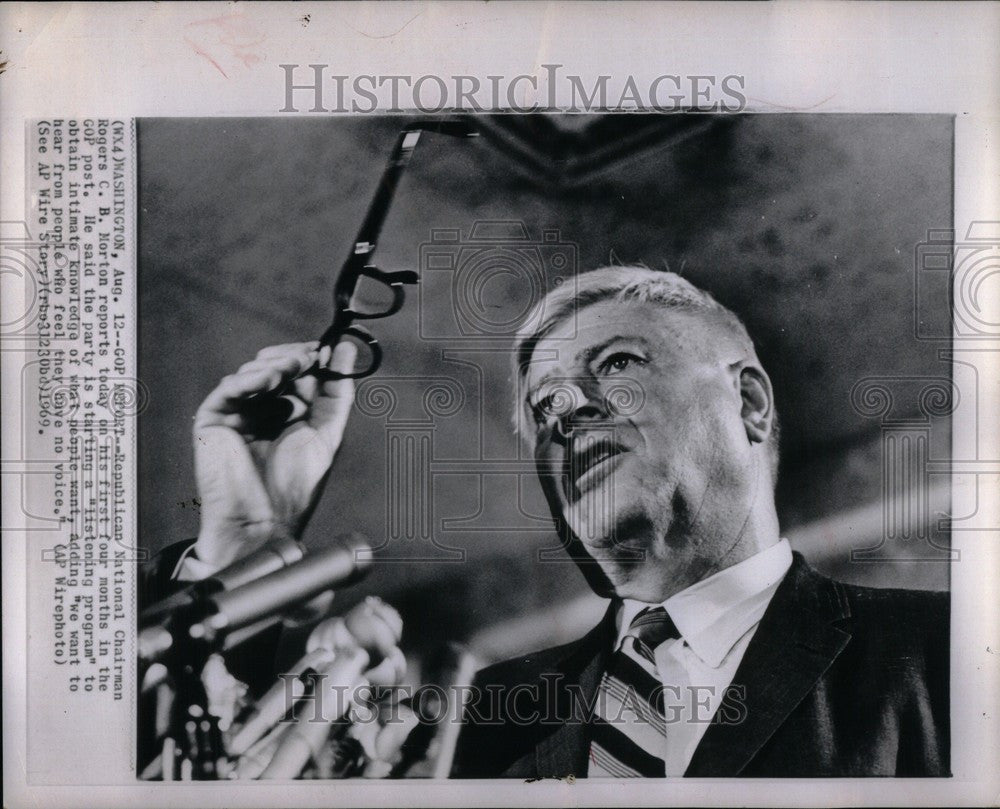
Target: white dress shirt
(716,618)
(190,568)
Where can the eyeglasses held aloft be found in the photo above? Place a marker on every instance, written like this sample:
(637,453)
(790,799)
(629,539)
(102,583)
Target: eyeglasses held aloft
(358,264)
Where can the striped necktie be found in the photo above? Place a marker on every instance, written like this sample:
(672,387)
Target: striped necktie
(628,732)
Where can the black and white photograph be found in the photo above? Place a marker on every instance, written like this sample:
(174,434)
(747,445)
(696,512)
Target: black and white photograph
(500,404)
(544,446)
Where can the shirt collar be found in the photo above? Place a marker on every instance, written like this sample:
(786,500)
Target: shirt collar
(714,613)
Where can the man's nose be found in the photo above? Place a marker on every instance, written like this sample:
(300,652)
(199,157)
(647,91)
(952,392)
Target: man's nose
(588,408)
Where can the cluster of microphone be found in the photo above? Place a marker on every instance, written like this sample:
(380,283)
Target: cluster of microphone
(248,596)
(308,721)
(347,656)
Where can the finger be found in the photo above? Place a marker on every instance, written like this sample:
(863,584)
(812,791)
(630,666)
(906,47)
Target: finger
(296,359)
(231,390)
(301,359)
(342,361)
(325,352)
(306,387)
(333,404)
(298,387)
(294,367)
(287,348)
(241,385)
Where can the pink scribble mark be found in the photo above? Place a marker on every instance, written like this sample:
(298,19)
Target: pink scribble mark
(200,52)
(234,34)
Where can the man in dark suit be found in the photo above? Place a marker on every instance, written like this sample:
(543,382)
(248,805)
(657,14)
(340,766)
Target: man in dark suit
(654,431)
(837,681)
(722,653)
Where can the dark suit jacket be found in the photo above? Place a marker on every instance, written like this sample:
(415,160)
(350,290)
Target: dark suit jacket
(839,681)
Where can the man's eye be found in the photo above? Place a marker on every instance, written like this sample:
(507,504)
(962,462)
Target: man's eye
(542,409)
(560,400)
(620,361)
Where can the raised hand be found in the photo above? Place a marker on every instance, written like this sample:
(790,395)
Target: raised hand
(264,441)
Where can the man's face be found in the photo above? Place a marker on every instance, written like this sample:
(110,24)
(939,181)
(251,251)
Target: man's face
(641,449)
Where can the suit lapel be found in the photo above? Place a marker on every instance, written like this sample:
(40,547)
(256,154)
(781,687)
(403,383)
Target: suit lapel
(794,645)
(565,750)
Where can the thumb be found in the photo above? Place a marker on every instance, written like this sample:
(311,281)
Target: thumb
(344,355)
(333,405)
(342,361)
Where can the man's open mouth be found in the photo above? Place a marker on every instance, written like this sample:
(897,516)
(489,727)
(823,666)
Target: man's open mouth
(591,459)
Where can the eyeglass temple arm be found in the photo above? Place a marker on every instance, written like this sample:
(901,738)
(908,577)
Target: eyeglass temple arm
(367,238)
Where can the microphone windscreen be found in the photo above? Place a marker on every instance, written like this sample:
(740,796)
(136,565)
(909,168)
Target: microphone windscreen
(299,582)
(279,552)
(376,626)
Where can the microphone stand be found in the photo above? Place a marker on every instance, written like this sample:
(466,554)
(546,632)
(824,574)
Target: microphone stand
(192,746)
(195,731)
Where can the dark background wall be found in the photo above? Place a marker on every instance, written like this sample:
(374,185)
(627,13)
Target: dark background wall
(806,226)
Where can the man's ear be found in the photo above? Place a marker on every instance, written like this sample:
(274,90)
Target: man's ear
(758,403)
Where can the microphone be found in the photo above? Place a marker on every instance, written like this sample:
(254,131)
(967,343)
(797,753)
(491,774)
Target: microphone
(252,602)
(429,749)
(273,705)
(398,731)
(306,737)
(275,555)
(457,672)
(372,625)
(212,617)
